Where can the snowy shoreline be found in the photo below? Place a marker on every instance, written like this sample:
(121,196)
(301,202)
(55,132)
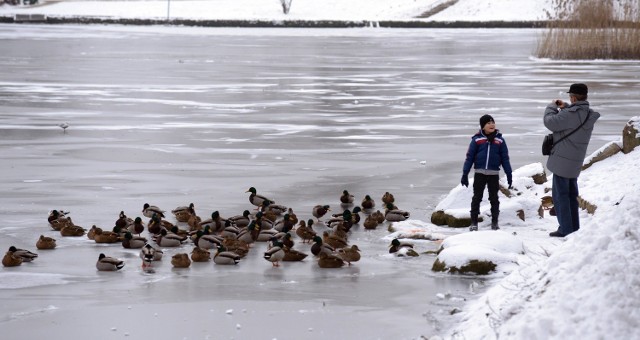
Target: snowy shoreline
(39,18)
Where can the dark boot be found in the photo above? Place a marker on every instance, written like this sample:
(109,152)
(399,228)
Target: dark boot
(474,223)
(494,222)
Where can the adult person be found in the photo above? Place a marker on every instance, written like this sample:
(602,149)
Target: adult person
(567,156)
(486,153)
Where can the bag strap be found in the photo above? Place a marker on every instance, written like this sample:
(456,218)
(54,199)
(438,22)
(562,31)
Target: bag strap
(578,128)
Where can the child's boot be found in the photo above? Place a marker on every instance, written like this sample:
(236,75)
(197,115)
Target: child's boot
(474,223)
(494,222)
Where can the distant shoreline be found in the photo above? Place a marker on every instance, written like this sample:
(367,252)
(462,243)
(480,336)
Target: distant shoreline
(41,19)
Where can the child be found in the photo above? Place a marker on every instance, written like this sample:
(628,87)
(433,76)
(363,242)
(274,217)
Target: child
(487,152)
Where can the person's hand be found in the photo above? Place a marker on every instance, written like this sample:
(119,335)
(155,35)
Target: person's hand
(559,103)
(465,180)
(510,182)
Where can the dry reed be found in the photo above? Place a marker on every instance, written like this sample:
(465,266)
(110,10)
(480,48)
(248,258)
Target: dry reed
(592,29)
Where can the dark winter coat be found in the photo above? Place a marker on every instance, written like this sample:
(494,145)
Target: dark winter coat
(566,157)
(486,155)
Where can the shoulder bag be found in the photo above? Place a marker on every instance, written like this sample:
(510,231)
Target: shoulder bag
(548,143)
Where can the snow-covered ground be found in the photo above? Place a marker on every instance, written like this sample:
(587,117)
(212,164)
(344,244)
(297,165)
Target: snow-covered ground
(374,10)
(584,286)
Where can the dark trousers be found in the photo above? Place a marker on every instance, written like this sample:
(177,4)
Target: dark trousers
(492,183)
(565,202)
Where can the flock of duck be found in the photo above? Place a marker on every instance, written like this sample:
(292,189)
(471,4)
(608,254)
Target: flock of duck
(227,240)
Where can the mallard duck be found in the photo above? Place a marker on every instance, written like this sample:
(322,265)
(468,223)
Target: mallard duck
(148,254)
(379,216)
(402,248)
(58,220)
(200,255)
(272,210)
(133,242)
(368,203)
(102,236)
(371,222)
(72,230)
(155,224)
(335,220)
(91,234)
(109,264)
(284,225)
(194,222)
(293,255)
(350,254)
(292,216)
(267,215)
(390,206)
(123,222)
(149,210)
(180,260)
(266,235)
(241,221)
(256,199)
(286,240)
(388,198)
(137,227)
(355,215)
(334,240)
(167,225)
(166,239)
(45,242)
(11,260)
(346,198)
(344,221)
(25,255)
(262,222)
(310,223)
(230,231)
(319,247)
(183,213)
(304,232)
(207,241)
(225,257)
(329,261)
(275,254)
(395,215)
(320,210)
(236,246)
(216,223)
(181,233)
(250,233)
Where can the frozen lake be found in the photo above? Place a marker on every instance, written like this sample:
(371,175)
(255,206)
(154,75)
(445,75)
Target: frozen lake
(171,115)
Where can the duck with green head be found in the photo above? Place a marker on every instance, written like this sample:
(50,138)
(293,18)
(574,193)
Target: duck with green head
(148,210)
(241,221)
(133,242)
(319,211)
(402,249)
(275,254)
(256,199)
(107,263)
(319,247)
(225,257)
(393,214)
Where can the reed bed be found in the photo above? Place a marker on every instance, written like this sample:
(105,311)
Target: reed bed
(592,29)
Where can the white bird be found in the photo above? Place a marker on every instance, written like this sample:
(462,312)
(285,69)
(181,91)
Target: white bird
(64,126)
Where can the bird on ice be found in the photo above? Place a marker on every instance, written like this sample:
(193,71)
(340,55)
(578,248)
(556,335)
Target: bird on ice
(64,126)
